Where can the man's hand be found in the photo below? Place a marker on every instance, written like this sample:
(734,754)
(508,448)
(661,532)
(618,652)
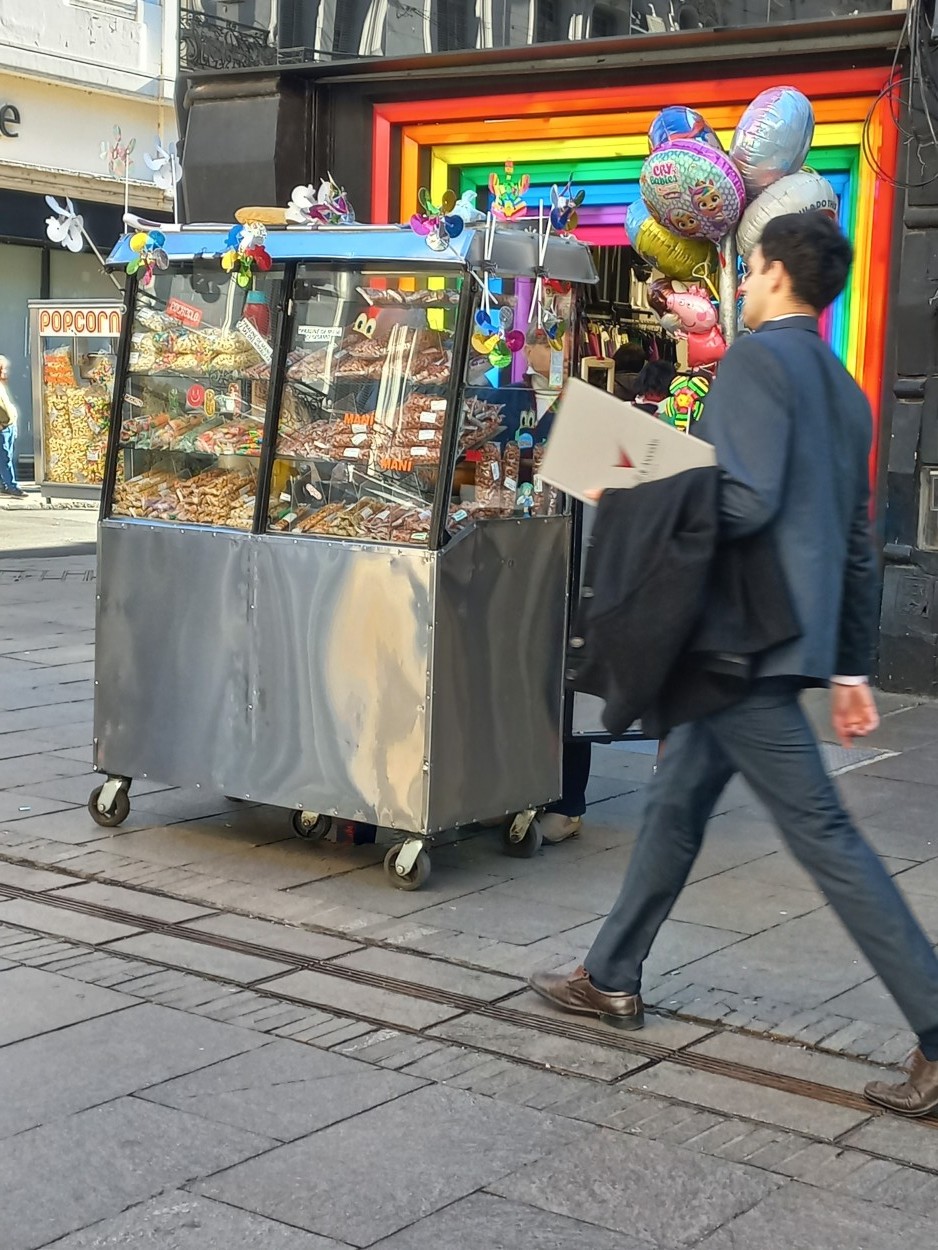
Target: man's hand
(853,713)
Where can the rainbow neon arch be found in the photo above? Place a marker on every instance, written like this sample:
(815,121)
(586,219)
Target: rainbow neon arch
(599,137)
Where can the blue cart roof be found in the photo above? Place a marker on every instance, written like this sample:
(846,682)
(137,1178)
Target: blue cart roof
(514,251)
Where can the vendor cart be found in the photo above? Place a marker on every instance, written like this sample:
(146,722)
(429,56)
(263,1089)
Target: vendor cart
(330,577)
(73,349)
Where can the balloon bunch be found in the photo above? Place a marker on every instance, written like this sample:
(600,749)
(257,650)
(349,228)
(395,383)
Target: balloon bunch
(244,248)
(694,195)
(149,254)
(329,206)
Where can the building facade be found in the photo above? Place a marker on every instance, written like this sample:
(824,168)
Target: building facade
(86,92)
(391,97)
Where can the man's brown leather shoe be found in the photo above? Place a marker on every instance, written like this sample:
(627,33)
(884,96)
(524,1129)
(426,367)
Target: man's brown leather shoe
(916,1096)
(576,992)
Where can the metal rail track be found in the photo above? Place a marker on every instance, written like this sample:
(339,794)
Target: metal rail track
(499,1009)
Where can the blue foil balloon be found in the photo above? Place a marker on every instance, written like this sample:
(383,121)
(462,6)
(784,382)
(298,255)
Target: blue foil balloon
(678,122)
(772,138)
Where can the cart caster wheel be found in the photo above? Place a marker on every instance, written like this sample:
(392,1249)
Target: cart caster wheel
(418,875)
(521,837)
(311,826)
(117,814)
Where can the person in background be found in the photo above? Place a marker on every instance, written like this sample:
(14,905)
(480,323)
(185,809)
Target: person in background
(652,384)
(629,361)
(8,415)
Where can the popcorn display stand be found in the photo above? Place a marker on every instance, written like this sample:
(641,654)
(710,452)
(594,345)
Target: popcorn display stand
(73,349)
(330,577)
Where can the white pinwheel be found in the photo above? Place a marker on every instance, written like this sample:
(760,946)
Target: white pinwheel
(164,164)
(67,226)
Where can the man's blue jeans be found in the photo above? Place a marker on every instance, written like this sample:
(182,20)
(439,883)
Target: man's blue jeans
(8,458)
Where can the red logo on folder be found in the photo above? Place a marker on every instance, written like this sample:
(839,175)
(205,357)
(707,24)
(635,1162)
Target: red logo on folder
(624,461)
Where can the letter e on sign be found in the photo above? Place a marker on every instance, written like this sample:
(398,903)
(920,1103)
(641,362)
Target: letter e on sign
(9,121)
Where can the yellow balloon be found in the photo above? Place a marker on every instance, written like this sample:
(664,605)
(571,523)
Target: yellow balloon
(138,242)
(228,261)
(683,259)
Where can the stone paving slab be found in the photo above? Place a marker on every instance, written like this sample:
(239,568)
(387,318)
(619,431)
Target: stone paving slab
(484,1222)
(580,1058)
(336,994)
(751,1102)
(797,1061)
(114,1155)
(498,914)
(211,960)
(899,1139)
(69,924)
(30,770)
(37,879)
(432,972)
(180,1221)
(283,1090)
(48,1077)
(37,1002)
(137,902)
(286,938)
(381,1171)
(670,1197)
(799,1218)
(15,805)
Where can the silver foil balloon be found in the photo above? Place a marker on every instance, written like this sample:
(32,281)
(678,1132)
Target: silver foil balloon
(801,192)
(772,138)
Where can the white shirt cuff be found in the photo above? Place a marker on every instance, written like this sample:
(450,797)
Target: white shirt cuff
(849,681)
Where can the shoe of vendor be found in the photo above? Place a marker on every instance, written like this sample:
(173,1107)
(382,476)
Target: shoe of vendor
(555,827)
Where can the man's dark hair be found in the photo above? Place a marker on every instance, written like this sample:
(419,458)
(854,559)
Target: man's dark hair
(655,378)
(815,255)
(629,358)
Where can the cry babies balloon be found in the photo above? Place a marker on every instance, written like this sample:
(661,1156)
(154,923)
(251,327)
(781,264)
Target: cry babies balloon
(692,189)
(772,138)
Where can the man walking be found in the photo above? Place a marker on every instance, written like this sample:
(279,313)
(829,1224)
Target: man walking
(8,482)
(792,433)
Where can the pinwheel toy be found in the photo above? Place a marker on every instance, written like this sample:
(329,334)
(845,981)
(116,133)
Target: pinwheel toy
(67,226)
(437,223)
(508,193)
(149,254)
(244,249)
(564,206)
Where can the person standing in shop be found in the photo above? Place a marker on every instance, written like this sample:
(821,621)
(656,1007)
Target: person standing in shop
(8,415)
(792,432)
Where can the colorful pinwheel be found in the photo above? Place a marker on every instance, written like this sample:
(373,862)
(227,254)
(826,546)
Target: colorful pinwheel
(244,249)
(508,194)
(149,254)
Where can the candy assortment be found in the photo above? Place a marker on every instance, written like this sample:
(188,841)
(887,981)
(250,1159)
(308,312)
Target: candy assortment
(215,497)
(76,420)
(160,344)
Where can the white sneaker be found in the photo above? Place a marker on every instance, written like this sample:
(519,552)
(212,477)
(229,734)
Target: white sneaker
(555,827)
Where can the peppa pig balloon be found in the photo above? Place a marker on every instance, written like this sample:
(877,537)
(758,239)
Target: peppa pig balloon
(678,122)
(801,192)
(692,189)
(689,315)
(676,257)
(772,138)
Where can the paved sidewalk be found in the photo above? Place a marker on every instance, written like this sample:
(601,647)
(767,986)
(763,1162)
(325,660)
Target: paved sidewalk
(214,1034)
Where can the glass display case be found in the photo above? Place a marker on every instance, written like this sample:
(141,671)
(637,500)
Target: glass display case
(73,348)
(195,398)
(330,575)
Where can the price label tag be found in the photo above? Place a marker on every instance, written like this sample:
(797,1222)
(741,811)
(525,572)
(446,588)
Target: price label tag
(249,331)
(319,334)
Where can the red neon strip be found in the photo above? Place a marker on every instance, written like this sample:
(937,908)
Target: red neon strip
(814,84)
(380,170)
